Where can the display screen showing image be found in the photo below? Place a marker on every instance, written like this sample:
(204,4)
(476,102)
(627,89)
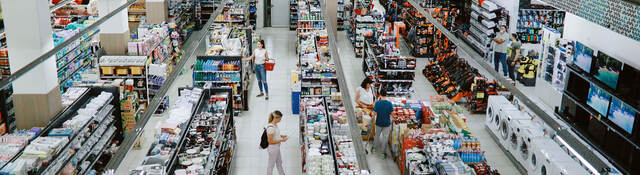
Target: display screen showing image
(598,99)
(583,57)
(622,115)
(607,69)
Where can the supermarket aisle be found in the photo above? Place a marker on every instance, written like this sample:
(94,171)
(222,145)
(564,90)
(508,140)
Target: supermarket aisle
(249,158)
(423,90)
(352,68)
(135,157)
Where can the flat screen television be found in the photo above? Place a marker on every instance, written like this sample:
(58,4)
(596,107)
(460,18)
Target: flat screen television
(597,130)
(598,99)
(583,56)
(622,115)
(577,86)
(629,86)
(607,69)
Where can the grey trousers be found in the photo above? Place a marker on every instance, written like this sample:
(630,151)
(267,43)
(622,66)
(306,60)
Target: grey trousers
(275,159)
(381,138)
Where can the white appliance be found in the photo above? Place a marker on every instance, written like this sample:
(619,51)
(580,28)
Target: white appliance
(507,117)
(525,132)
(548,158)
(496,104)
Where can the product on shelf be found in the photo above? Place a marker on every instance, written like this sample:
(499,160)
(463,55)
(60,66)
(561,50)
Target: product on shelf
(170,133)
(428,141)
(364,26)
(68,144)
(391,72)
(531,22)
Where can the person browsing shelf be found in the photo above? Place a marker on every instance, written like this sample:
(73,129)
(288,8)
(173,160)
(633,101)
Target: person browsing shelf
(259,57)
(274,138)
(364,95)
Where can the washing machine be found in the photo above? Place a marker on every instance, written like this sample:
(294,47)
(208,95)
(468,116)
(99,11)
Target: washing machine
(548,158)
(495,106)
(525,132)
(507,117)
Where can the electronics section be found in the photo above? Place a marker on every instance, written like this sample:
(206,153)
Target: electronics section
(604,110)
(163,153)
(531,21)
(363,26)
(75,140)
(486,17)
(528,141)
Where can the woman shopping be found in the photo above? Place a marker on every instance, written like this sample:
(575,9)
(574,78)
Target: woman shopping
(259,57)
(274,138)
(364,95)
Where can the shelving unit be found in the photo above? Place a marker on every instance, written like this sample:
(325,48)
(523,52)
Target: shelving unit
(393,72)
(531,22)
(363,27)
(485,21)
(183,14)
(313,111)
(114,67)
(293,14)
(219,71)
(213,117)
(99,130)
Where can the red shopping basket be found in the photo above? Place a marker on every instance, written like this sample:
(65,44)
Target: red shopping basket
(269,65)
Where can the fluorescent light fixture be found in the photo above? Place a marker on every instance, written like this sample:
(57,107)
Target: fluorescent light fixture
(580,158)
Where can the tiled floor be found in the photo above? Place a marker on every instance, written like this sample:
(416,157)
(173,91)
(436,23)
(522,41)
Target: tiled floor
(250,159)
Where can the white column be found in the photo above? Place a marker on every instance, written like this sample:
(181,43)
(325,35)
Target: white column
(332,11)
(29,35)
(114,33)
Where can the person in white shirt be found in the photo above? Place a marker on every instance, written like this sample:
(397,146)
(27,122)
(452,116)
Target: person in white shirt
(364,94)
(259,57)
(274,138)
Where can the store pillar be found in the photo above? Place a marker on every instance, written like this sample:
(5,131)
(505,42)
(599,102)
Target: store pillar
(332,11)
(36,97)
(157,11)
(114,33)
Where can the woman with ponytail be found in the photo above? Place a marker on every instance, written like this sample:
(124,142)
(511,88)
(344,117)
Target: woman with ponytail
(274,138)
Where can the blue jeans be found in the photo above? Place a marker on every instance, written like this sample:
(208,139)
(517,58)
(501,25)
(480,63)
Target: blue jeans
(261,75)
(500,58)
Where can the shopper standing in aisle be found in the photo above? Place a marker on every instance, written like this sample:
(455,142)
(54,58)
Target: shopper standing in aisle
(259,57)
(500,50)
(364,95)
(382,109)
(513,57)
(274,138)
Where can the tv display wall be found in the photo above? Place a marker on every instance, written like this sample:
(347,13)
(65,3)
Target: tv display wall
(583,56)
(607,69)
(622,115)
(598,99)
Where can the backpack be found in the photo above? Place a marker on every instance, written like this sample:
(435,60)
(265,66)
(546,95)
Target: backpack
(264,141)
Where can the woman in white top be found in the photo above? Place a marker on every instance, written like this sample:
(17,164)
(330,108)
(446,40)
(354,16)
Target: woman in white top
(274,138)
(364,95)
(259,57)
